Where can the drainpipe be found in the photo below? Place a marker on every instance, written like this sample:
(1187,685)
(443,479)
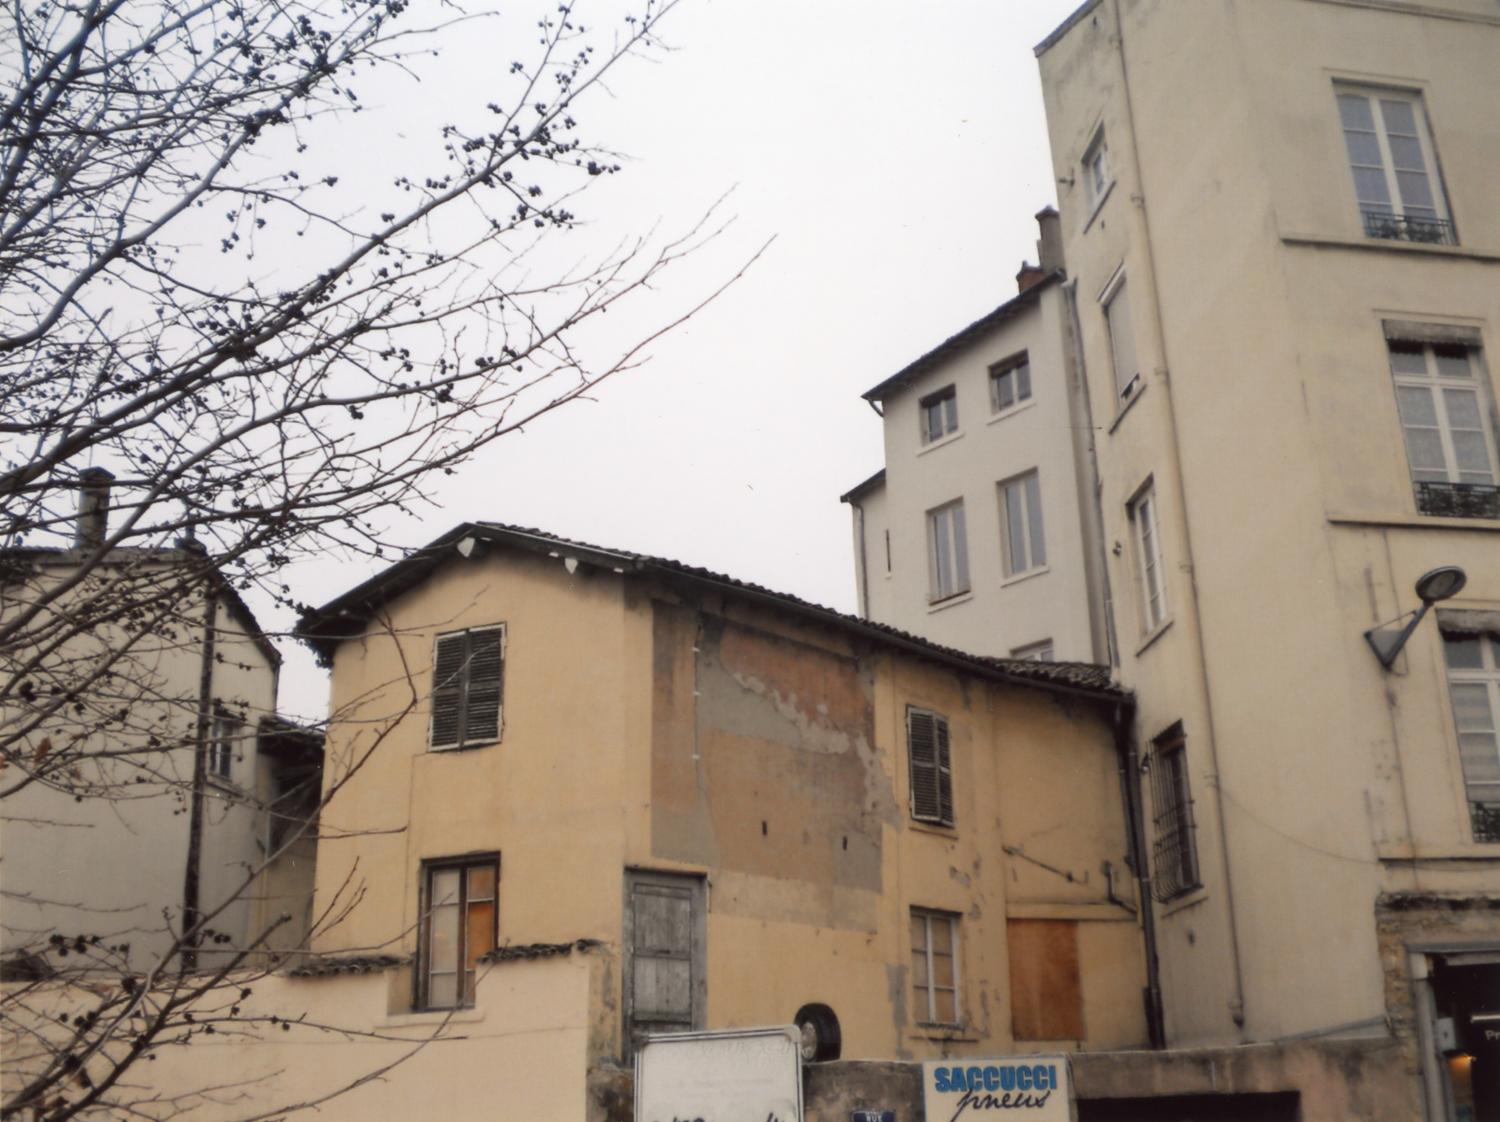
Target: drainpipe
(203,729)
(1237,1002)
(1135,822)
(864,563)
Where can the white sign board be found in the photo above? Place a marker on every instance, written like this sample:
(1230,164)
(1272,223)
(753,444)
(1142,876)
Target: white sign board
(740,1075)
(1029,1088)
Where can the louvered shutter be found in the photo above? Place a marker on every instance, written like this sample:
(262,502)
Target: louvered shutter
(922,754)
(944,770)
(482,703)
(448,690)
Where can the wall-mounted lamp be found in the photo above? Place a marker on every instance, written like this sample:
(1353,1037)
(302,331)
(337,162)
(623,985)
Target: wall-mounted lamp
(1432,586)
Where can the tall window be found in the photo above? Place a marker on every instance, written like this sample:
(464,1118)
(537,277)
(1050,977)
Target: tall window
(1474,688)
(466,686)
(939,414)
(1023,547)
(458,927)
(1174,853)
(934,966)
(1445,416)
(947,552)
(1096,173)
(1394,166)
(1122,339)
(1147,532)
(930,766)
(221,751)
(1010,383)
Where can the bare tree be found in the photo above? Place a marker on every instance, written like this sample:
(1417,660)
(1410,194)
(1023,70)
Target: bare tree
(226,356)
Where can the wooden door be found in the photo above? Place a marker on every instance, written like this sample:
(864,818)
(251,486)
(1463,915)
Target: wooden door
(665,987)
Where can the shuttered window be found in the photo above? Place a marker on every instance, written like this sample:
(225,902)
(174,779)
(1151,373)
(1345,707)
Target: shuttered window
(931,767)
(467,676)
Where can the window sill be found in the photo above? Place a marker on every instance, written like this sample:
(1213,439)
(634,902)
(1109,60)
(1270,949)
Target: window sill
(466,746)
(1040,570)
(422,1018)
(1191,898)
(1012,411)
(950,601)
(936,829)
(1098,205)
(1153,635)
(1135,395)
(1389,245)
(942,442)
(954,1034)
(1416,521)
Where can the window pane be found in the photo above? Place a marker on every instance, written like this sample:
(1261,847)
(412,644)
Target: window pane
(942,970)
(1364,149)
(1121,338)
(1416,193)
(1462,652)
(482,882)
(1481,762)
(445,886)
(442,991)
(942,935)
(1370,188)
(1023,381)
(1452,362)
(1415,405)
(1425,447)
(960,548)
(919,933)
(1354,111)
(1463,409)
(1473,456)
(442,943)
(946,1006)
(919,968)
(1005,394)
(1406,154)
(1471,708)
(1034,517)
(1015,528)
(479,932)
(1408,358)
(1399,117)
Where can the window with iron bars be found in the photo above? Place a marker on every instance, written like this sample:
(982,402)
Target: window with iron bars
(1174,853)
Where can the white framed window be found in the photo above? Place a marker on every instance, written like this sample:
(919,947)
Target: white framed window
(930,766)
(947,552)
(1097,177)
(1448,427)
(1023,546)
(1116,302)
(228,732)
(1394,165)
(934,966)
(939,414)
(1473,661)
(1146,530)
(468,669)
(1041,651)
(1010,383)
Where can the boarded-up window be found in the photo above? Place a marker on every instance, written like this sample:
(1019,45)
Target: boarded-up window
(664,981)
(1046,996)
(460,902)
(467,673)
(930,765)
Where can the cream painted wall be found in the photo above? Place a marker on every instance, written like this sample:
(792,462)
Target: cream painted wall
(1000,614)
(1289,525)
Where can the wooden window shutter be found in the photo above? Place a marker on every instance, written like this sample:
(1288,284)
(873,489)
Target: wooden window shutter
(921,752)
(448,662)
(944,770)
(486,669)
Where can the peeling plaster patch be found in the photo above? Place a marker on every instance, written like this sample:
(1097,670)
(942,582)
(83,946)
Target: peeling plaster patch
(895,984)
(960,876)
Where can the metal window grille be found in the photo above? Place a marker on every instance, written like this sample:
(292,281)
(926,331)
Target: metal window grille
(1174,854)
(1408,228)
(1458,500)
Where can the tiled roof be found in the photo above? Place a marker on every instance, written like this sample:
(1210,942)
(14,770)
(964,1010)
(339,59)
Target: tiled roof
(348,964)
(537,950)
(325,627)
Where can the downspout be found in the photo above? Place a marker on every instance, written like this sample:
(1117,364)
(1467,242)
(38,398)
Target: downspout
(1237,1002)
(192,875)
(1135,822)
(864,563)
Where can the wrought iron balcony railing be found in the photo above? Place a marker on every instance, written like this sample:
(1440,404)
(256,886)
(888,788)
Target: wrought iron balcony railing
(1395,227)
(1458,500)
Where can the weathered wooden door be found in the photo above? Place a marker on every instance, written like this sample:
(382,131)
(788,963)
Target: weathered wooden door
(665,987)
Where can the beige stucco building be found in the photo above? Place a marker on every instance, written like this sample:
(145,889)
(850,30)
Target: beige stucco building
(978,531)
(1282,233)
(741,808)
(97,816)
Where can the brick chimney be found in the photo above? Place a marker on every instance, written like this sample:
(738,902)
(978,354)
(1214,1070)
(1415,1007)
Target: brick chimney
(1049,250)
(1029,275)
(93,508)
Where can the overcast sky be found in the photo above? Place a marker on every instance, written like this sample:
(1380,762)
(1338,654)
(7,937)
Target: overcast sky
(896,153)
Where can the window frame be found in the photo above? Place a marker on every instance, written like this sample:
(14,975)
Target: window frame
(422,997)
(1110,304)
(1393,219)
(947,529)
(930,988)
(1484,824)
(1097,172)
(939,758)
(1018,368)
(1028,489)
(462,739)
(1043,650)
(227,730)
(1145,536)
(945,402)
(1175,868)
